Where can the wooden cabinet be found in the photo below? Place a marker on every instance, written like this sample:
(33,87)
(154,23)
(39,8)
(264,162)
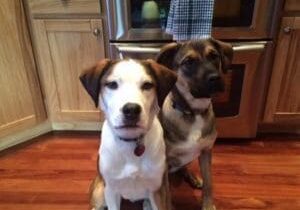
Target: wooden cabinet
(21,104)
(43,8)
(292,6)
(283,102)
(64,48)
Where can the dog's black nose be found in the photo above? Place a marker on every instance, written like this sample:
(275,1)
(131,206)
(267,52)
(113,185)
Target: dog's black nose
(214,78)
(131,111)
(215,83)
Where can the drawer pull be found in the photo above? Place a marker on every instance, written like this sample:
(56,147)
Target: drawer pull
(287,30)
(96,32)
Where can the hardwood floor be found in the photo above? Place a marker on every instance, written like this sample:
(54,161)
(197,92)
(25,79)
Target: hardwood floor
(54,172)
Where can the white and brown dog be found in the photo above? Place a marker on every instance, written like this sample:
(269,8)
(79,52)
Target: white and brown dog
(132,159)
(187,115)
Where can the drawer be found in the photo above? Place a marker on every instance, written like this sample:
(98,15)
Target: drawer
(64,7)
(292,6)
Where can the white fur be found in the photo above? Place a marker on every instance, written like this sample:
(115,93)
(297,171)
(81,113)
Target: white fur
(130,76)
(125,174)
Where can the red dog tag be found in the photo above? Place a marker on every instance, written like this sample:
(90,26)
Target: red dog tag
(139,150)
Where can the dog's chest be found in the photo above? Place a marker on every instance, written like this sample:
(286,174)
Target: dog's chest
(183,151)
(134,177)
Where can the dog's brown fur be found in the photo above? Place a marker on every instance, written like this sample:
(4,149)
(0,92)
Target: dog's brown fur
(187,116)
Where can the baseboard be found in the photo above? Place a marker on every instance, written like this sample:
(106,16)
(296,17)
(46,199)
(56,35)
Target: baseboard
(25,135)
(278,128)
(77,126)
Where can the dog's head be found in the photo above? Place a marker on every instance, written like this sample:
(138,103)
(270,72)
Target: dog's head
(130,93)
(200,64)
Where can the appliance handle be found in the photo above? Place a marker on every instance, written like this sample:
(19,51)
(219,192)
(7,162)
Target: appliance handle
(237,47)
(138,49)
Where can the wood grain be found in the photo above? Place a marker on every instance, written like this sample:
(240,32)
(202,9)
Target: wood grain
(283,102)
(54,172)
(292,6)
(21,101)
(68,7)
(64,49)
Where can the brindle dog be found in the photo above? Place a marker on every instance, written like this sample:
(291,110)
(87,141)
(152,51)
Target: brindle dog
(187,115)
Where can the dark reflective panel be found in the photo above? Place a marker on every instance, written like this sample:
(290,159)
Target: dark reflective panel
(149,14)
(233,13)
(154,13)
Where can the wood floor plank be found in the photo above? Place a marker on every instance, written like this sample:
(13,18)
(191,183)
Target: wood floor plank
(53,172)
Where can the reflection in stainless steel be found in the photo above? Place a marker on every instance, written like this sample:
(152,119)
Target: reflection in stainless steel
(139,48)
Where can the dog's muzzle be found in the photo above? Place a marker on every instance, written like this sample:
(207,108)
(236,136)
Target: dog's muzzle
(215,83)
(212,84)
(131,113)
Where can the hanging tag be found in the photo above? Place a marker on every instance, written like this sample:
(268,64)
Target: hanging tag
(139,150)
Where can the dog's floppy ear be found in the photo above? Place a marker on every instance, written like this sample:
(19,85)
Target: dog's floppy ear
(91,79)
(167,54)
(226,52)
(165,79)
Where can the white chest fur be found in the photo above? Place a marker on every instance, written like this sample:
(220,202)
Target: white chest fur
(189,148)
(128,175)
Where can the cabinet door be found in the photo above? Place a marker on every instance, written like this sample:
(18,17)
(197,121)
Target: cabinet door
(283,102)
(21,104)
(64,49)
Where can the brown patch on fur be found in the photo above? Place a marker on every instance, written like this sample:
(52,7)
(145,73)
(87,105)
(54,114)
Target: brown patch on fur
(167,54)
(165,79)
(96,192)
(91,77)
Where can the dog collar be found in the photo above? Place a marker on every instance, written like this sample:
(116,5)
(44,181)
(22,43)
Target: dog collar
(139,147)
(180,108)
(188,111)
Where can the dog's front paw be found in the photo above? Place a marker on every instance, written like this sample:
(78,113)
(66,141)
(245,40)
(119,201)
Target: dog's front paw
(209,207)
(193,180)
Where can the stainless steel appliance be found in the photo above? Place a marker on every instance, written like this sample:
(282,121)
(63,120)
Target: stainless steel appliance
(250,25)
(233,19)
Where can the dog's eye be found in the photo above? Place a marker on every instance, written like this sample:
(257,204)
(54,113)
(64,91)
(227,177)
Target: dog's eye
(147,85)
(111,85)
(213,55)
(189,61)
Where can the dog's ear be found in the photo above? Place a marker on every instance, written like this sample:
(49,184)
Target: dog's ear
(91,78)
(226,52)
(167,54)
(165,80)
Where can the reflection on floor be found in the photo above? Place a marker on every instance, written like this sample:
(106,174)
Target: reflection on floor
(54,172)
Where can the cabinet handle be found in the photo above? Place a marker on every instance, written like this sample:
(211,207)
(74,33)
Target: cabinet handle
(287,30)
(96,32)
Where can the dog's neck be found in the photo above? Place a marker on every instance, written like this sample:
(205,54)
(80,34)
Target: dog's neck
(137,145)
(137,139)
(184,102)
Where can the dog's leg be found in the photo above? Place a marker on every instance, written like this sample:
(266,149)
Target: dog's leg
(207,195)
(97,201)
(161,199)
(147,204)
(192,179)
(112,199)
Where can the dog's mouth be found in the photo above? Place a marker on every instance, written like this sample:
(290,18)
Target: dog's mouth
(127,126)
(208,92)
(200,94)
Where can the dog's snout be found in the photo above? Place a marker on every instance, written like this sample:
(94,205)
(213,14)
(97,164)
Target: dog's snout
(214,78)
(131,110)
(215,83)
